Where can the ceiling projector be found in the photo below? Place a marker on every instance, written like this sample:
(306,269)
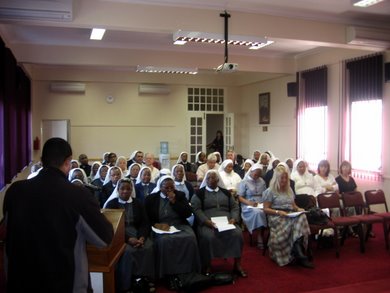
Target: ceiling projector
(227,67)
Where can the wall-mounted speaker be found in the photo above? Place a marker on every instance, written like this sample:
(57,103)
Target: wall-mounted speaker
(292,89)
(387,72)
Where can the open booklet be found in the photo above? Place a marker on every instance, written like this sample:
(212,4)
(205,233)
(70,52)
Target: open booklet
(259,206)
(222,224)
(172,229)
(295,214)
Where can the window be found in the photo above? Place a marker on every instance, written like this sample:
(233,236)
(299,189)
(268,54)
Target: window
(366,135)
(362,110)
(312,116)
(313,127)
(202,99)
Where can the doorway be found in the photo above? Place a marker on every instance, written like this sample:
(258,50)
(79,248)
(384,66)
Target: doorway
(214,122)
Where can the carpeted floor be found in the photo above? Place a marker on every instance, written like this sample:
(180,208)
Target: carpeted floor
(352,272)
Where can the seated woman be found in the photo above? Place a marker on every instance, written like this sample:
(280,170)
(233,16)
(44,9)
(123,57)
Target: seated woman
(183,160)
(74,164)
(290,163)
(200,159)
(175,253)
(100,176)
(138,258)
(114,173)
(149,162)
(213,200)
(77,173)
(305,185)
(288,235)
(230,178)
(345,181)
(144,186)
(256,156)
(121,162)
(211,164)
(245,168)
(94,168)
(133,171)
(249,194)
(181,183)
(324,179)
(270,171)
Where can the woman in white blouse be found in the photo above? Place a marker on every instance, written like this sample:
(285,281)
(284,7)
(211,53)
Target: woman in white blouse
(230,178)
(324,180)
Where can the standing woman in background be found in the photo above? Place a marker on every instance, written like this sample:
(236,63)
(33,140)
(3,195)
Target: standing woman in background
(217,143)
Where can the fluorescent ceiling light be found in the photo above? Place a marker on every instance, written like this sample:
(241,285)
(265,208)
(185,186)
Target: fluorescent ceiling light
(174,70)
(366,3)
(182,37)
(97,33)
(257,47)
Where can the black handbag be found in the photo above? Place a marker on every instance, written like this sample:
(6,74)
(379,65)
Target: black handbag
(191,282)
(222,279)
(316,216)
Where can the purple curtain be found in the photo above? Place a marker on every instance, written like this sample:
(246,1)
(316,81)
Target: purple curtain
(15,116)
(365,78)
(316,87)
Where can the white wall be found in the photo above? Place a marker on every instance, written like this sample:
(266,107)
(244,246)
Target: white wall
(281,135)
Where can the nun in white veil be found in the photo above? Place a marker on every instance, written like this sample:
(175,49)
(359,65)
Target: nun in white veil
(78,173)
(183,160)
(250,193)
(114,174)
(175,253)
(213,200)
(230,178)
(138,257)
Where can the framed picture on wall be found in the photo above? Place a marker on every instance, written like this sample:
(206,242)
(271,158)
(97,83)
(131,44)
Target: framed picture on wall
(264,108)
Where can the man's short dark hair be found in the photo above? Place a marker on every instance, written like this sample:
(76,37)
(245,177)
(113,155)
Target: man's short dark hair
(55,151)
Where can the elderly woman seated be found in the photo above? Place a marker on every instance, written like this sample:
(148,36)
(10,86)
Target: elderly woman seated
(178,252)
(213,200)
(289,232)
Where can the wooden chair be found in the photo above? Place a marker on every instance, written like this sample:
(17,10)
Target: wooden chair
(331,200)
(355,199)
(377,197)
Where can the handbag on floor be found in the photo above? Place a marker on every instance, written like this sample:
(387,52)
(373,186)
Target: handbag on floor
(191,282)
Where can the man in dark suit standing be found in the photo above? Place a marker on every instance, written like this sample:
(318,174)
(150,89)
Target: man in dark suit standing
(48,223)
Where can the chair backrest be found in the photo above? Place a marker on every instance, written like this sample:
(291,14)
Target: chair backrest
(353,199)
(375,197)
(329,200)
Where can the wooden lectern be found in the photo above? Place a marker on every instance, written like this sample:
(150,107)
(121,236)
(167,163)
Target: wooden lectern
(103,260)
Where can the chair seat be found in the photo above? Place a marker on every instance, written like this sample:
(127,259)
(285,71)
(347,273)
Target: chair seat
(369,219)
(345,221)
(386,216)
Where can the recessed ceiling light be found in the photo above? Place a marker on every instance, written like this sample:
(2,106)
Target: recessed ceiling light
(366,3)
(97,34)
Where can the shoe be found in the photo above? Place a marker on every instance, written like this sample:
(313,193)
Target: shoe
(304,262)
(372,234)
(240,273)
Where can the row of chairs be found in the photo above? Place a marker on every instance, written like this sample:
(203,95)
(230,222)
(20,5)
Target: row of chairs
(363,219)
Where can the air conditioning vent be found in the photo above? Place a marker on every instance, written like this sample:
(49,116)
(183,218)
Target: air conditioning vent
(67,87)
(368,37)
(60,10)
(153,89)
